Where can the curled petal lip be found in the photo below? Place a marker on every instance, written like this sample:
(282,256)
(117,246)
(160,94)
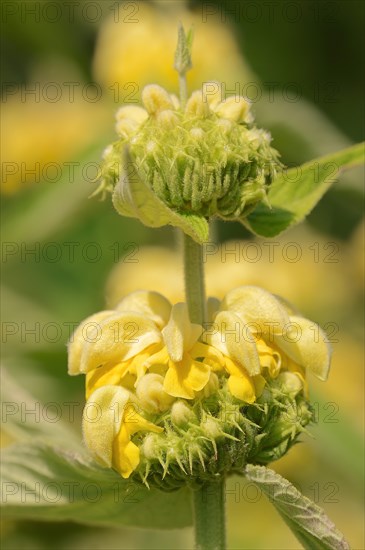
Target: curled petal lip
(180,334)
(149,303)
(120,337)
(77,342)
(263,311)
(233,338)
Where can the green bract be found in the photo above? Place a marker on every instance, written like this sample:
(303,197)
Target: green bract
(172,163)
(219,435)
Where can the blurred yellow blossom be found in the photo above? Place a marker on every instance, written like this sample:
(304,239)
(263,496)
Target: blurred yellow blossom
(281,266)
(134,49)
(44,136)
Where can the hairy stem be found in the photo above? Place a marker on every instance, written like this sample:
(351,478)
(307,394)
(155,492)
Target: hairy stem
(209,499)
(208,505)
(183,89)
(209,516)
(194,280)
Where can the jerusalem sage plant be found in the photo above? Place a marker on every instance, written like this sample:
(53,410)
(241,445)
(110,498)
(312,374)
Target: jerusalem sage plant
(179,396)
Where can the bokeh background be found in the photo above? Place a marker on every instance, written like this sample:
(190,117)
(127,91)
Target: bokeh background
(66,68)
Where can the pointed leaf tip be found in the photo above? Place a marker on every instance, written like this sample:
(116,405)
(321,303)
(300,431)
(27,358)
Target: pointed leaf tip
(295,193)
(307,521)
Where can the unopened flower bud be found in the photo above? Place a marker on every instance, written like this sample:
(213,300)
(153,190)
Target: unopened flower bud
(150,447)
(209,159)
(212,428)
(131,111)
(152,395)
(211,387)
(235,109)
(197,106)
(290,383)
(182,414)
(167,118)
(156,99)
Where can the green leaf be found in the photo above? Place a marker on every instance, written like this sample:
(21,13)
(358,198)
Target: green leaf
(195,226)
(308,522)
(296,191)
(25,418)
(48,483)
(134,199)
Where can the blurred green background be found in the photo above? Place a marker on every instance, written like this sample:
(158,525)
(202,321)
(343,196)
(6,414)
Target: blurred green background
(65,70)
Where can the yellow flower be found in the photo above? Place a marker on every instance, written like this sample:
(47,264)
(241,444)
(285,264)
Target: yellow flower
(144,333)
(142,356)
(185,375)
(109,421)
(259,333)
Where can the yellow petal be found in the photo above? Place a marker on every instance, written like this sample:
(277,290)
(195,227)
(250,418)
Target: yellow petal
(120,337)
(128,382)
(271,363)
(233,338)
(183,379)
(259,383)
(233,368)
(134,422)
(269,358)
(212,356)
(102,419)
(306,344)
(265,314)
(125,454)
(180,334)
(140,363)
(159,357)
(152,304)
(81,336)
(242,388)
(289,307)
(103,376)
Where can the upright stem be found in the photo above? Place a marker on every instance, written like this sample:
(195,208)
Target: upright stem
(194,280)
(210,517)
(208,501)
(183,88)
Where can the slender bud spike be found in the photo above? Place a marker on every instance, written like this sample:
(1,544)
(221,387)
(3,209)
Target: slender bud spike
(183,61)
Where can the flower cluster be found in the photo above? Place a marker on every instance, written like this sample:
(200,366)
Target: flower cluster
(170,401)
(204,158)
